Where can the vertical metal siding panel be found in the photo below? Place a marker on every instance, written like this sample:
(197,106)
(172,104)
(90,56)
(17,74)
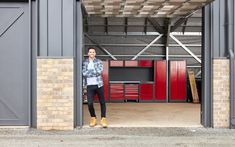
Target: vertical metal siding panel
(34,56)
(216,35)
(68,28)
(79,46)
(233,26)
(43,40)
(54,27)
(221,20)
(206,108)
(173,80)
(230,25)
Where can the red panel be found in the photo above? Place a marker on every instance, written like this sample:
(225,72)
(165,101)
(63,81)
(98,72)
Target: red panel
(182,80)
(160,80)
(105,77)
(145,63)
(146,91)
(131,91)
(116,92)
(131,63)
(116,63)
(173,80)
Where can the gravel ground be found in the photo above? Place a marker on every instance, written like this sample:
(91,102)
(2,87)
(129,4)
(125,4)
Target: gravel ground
(118,137)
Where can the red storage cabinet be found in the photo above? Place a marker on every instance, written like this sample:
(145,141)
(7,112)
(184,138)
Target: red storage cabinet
(116,91)
(131,91)
(131,63)
(178,81)
(146,91)
(145,63)
(160,80)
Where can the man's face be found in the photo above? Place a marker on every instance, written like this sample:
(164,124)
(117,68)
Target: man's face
(91,53)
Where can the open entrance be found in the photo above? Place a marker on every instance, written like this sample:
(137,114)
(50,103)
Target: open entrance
(151,56)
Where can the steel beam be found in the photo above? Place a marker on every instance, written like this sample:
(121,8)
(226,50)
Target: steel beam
(126,23)
(102,48)
(148,34)
(106,25)
(156,25)
(155,45)
(184,26)
(180,22)
(198,74)
(145,25)
(144,49)
(162,56)
(186,49)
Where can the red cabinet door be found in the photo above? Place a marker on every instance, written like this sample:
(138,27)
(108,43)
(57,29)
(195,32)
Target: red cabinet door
(145,63)
(182,80)
(178,81)
(173,80)
(160,80)
(131,91)
(116,91)
(146,91)
(131,63)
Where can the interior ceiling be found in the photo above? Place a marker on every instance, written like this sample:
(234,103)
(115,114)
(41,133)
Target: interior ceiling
(143,8)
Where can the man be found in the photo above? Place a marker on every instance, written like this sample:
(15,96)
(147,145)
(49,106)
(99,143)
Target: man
(92,72)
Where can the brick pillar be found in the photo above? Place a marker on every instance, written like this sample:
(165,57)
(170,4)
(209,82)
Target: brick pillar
(221,93)
(55,94)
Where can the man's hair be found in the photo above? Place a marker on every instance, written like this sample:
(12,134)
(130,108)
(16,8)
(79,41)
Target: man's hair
(90,48)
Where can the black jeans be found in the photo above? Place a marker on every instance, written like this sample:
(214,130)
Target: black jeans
(91,91)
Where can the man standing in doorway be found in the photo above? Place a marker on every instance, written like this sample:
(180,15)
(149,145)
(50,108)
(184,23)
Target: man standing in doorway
(92,72)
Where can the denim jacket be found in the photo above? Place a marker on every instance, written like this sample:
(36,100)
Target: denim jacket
(88,73)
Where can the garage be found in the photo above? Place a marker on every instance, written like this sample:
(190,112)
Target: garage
(167,63)
(148,48)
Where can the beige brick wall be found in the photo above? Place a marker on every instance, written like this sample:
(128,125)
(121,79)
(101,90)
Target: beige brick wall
(55,110)
(221,93)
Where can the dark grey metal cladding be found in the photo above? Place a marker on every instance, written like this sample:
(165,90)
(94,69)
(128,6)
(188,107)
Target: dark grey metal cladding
(56,27)
(78,65)
(34,46)
(14,64)
(206,108)
(221,16)
(218,38)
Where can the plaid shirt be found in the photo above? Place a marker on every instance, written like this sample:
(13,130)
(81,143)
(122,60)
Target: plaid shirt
(88,73)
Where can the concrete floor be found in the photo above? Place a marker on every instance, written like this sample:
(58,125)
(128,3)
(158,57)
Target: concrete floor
(149,114)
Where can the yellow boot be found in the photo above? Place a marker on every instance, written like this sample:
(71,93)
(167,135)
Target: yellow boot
(93,122)
(103,122)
